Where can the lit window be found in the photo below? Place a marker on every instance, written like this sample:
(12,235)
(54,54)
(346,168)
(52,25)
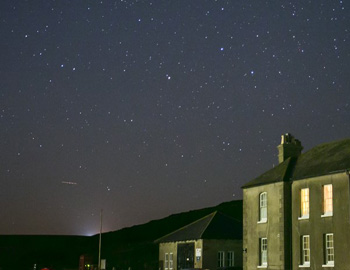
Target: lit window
(263,251)
(221,259)
(329,249)
(263,207)
(305,250)
(327,200)
(166,261)
(305,203)
(171,261)
(230,259)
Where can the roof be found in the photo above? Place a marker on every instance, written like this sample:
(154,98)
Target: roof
(213,226)
(278,174)
(321,160)
(324,159)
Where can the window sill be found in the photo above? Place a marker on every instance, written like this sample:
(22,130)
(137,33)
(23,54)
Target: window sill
(327,215)
(304,266)
(327,265)
(303,217)
(262,266)
(262,221)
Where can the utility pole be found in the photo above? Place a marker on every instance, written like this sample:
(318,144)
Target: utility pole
(99,245)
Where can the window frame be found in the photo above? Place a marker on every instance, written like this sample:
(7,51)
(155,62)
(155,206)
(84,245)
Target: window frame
(221,259)
(305,251)
(304,203)
(263,207)
(230,258)
(171,261)
(263,252)
(328,250)
(166,261)
(327,200)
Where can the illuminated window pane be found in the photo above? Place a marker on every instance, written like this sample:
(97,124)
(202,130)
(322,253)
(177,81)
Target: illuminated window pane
(327,199)
(305,202)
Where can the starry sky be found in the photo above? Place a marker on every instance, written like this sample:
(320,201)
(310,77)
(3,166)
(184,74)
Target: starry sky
(149,108)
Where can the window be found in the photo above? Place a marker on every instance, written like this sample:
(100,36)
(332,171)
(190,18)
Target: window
(327,200)
(263,207)
(230,259)
(305,250)
(166,261)
(329,249)
(221,259)
(263,252)
(304,209)
(170,261)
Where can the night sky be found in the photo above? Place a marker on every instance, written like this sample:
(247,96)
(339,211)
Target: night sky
(149,108)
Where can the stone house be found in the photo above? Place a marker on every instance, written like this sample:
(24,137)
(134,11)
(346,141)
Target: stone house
(297,215)
(212,242)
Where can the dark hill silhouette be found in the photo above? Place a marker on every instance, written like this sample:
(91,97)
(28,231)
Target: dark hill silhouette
(129,247)
(160,227)
(52,251)
(133,246)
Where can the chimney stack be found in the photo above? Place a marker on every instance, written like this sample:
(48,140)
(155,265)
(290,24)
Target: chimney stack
(289,147)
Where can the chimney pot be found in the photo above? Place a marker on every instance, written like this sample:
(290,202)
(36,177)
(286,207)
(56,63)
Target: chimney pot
(289,147)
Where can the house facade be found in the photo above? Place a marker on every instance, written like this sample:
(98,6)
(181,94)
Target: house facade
(200,254)
(265,230)
(297,215)
(212,242)
(321,222)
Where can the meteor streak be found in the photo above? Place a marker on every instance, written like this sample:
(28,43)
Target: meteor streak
(69,183)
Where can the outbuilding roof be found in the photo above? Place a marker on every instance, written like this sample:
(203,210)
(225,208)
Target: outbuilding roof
(213,226)
(321,160)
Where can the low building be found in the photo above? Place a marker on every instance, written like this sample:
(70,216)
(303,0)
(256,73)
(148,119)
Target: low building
(212,242)
(297,215)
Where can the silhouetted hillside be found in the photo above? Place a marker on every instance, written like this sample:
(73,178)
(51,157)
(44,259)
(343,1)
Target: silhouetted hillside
(120,247)
(56,252)
(129,247)
(157,228)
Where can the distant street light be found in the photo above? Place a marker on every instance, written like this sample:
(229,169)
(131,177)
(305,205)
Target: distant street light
(99,247)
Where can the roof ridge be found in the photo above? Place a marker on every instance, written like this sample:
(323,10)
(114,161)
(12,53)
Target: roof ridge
(322,159)
(270,175)
(213,215)
(186,226)
(323,144)
(229,217)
